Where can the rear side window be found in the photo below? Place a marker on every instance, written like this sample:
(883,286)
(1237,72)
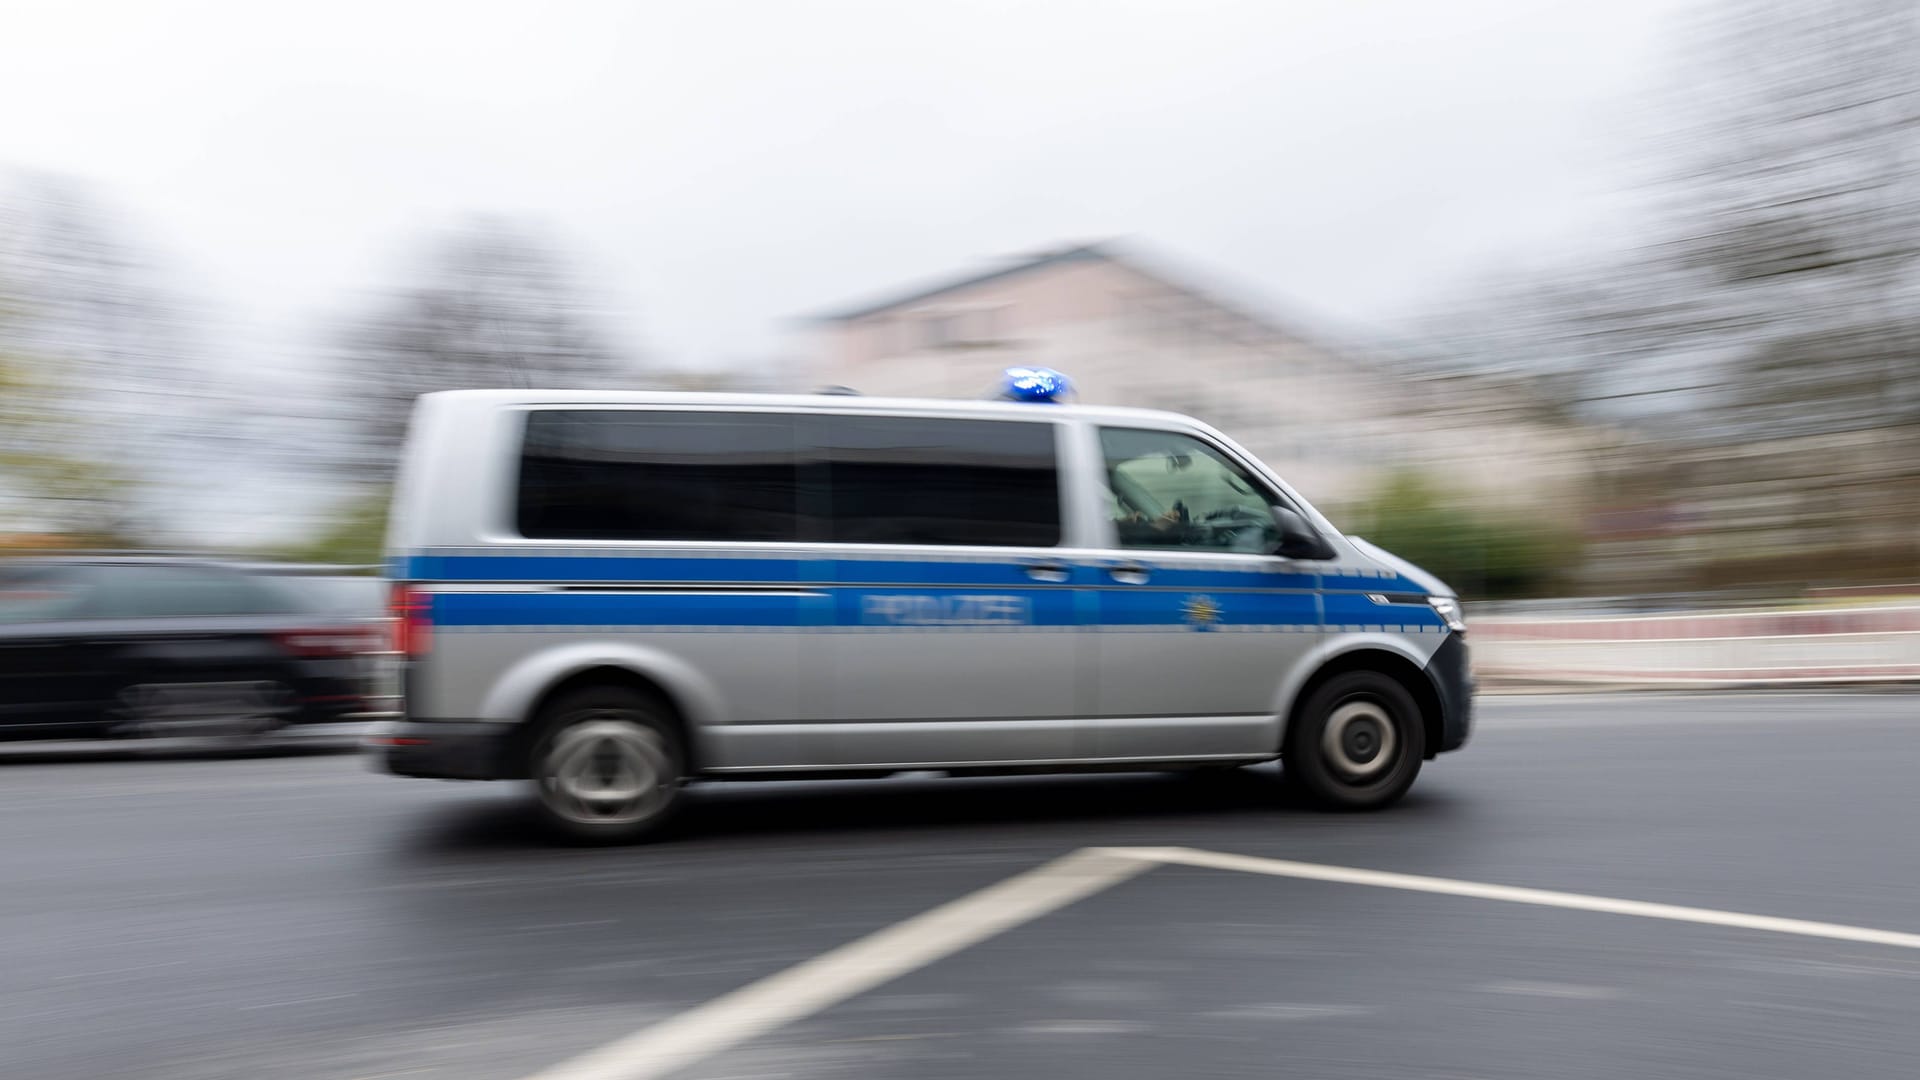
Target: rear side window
(38,594)
(178,591)
(626,474)
(326,594)
(912,480)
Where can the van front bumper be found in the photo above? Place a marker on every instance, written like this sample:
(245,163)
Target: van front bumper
(1452,676)
(449,750)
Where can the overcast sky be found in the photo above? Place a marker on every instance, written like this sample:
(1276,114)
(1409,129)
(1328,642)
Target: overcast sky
(715,167)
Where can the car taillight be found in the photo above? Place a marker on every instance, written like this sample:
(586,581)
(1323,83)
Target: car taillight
(325,642)
(412,612)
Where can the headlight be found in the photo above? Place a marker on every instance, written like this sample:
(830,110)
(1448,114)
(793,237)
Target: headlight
(1448,608)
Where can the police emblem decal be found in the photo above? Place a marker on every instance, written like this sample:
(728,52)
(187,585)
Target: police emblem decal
(1201,611)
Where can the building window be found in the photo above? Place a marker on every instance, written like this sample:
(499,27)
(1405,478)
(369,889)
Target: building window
(968,326)
(937,331)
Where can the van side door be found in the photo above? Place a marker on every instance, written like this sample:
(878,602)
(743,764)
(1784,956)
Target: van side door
(1198,625)
(954,608)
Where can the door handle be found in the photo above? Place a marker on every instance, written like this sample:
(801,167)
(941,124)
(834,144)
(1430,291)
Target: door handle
(1129,574)
(1051,572)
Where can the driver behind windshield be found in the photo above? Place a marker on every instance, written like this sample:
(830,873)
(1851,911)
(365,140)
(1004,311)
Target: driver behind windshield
(1231,527)
(1137,527)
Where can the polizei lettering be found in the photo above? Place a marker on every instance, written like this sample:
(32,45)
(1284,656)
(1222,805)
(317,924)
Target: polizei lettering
(946,611)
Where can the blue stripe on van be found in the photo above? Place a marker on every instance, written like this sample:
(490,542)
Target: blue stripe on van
(1165,607)
(1357,583)
(1354,609)
(881,607)
(899,592)
(922,606)
(674,569)
(621,609)
(641,569)
(911,608)
(1008,574)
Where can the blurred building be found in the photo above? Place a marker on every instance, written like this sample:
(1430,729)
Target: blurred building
(1131,331)
(1801,509)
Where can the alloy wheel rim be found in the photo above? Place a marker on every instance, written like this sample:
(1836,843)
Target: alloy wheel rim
(606,770)
(1360,742)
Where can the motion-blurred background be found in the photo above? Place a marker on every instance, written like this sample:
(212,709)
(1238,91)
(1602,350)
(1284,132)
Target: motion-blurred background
(1603,301)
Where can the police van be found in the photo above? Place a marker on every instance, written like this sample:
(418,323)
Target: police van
(613,593)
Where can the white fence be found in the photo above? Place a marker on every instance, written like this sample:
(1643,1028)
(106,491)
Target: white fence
(1871,644)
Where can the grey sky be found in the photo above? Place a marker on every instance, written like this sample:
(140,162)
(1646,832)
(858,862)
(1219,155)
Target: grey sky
(715,166)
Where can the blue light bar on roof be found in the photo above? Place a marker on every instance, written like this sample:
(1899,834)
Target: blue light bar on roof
(1036,384)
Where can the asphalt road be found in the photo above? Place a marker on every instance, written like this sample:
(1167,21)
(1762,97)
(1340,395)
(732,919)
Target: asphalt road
(299,917)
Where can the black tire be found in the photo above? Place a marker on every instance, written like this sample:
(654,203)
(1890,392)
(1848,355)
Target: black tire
(1357,743)
(608,765)
(243,723)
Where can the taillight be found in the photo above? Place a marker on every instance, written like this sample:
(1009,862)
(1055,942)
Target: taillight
(412,612)
(326,642)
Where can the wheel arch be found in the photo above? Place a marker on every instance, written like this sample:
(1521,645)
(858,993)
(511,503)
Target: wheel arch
(1396,663)
(527,688)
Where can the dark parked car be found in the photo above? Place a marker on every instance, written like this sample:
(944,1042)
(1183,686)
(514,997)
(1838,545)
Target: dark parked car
(129,646)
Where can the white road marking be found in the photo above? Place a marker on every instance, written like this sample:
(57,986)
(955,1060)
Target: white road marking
(1571,991)
(832,977)
(1613,721)
(1347,875)
(298,1001)
(117,971)
(1081,1027)
(1279,1010)
(1783,696)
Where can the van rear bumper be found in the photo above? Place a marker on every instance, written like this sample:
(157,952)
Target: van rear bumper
(442,750)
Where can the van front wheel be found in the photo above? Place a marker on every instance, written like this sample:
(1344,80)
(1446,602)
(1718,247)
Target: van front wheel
(607,766)
(1358,742)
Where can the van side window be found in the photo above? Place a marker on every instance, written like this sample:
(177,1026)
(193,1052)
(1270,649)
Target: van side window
(1170,490)
(915,480)
(630,474)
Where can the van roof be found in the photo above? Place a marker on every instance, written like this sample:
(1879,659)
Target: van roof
(834,402)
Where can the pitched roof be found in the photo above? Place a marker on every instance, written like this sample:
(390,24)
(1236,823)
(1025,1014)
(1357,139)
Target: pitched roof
(1354,352)
(1078,253)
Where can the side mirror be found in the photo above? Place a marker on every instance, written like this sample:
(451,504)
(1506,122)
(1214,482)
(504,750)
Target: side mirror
(1293,538)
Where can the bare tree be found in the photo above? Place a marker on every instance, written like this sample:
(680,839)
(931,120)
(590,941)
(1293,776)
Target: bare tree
(1796,205)
(1775,290)
(104,402)
(495,307)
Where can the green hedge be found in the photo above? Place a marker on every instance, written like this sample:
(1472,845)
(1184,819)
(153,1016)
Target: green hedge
(1484,553)
(353,538)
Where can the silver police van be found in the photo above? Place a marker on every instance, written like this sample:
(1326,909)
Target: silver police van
(612,593)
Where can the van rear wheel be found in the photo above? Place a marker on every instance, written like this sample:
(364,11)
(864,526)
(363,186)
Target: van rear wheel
(608,765)
(1358,742)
